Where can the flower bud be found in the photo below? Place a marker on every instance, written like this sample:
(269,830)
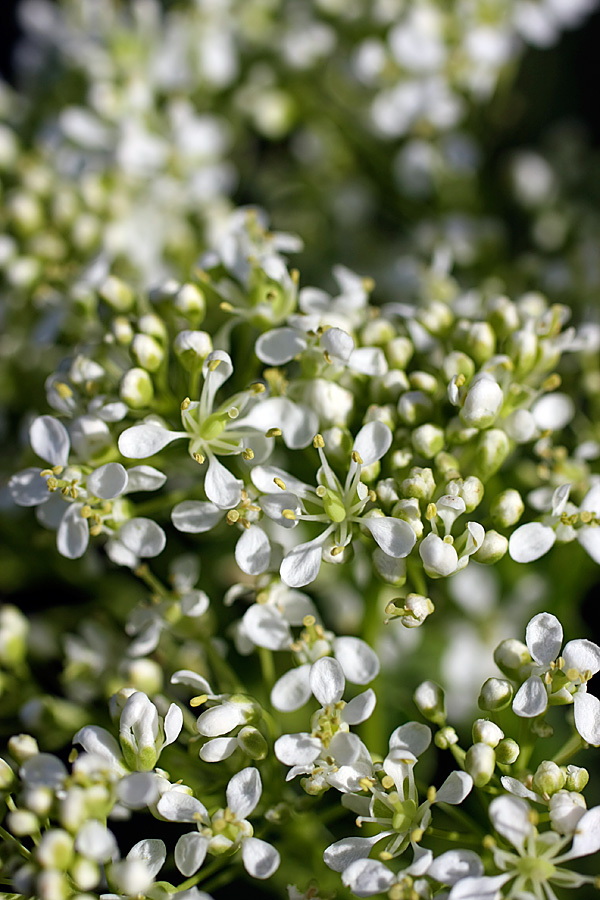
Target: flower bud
(428,440)
(252,742)
(486,732)
(415,407)
(399,352)
(480,762)
(503,317)
(481,342)
(507,508)
(192,348)
(117,294)
(145,675)
(131,877)
(430,701)
(492,449)
(496,693)
(55,850)
(377,333)
(39,800)
(493,548)
(409,511)
(22,822)
(22,747)
(566,809)
(14,628)
(436,316)
(445,737)
(521,426)
(420,484)
(423,381)
(458,363)
(153,325)
(483,402)
(522,347)
(85,873)
(122,330)
(388,388)
(7,776)
(136,389)
(577,778)
(190,301)
(510,655)
(507,751)
(138,732)
(147,352)
(52,885)
(415,611)
(471,490)
(548,778)
(332,403)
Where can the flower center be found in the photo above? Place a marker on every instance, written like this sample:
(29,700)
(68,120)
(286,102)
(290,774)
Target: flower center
(537,870)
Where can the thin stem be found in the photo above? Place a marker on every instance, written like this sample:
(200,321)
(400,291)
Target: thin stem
(454,836)
(205,873)
(16,843)
(569,749)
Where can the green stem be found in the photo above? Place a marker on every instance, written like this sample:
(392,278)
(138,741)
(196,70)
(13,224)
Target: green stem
(527,743)
(17,844)
(152,581)
(569,749)
(374,732)
(453,836)
(211,869)
(267,667)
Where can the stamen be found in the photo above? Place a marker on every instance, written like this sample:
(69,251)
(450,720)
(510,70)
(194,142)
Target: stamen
(280,483)
(356,457)
(335,551)
(232,516)
(226,307)
(185,403)
(199,700)
(321,491)
(233,412)
(318,442)
(273,432)
(258,387)
(199,457)
(214,364)
(248,453)
(289,514)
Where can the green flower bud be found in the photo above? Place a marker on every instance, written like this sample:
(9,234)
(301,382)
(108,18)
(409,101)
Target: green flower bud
(14,629)
(548,778)
(496,693)
(493,548)
(436,316)
(415,407)
(420,484)
(117,294)
(481,342)
(377,333)
(577,778)
(507,508)
(507,752)
(458,363)
(55,850)
(147,352)
(85,874)
(503,317)
(26,213)
(388,388)
(252,742)
(192,348)
(480,762)
(153,325)
(399,352)
(486,732)
(122,330)
(136,388)
(22,747)
(7,776)
(430,701)
(447,464)
(53,885)
(445,737)
(428,440)
(493,448)
(522,347)
(190,301)
(145,675)
(510,655)
(423,381)
(39,800)
(471,490)
(22,823)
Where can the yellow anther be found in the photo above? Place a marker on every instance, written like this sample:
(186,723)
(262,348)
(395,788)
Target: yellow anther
(318,441)
(533,816)
(586,516)
(57,470)
(65,490)
(45,473)
(548,677)
(356,457)
(226,307)
(387,782)
(552,382)
(73,490)
(327,357)
(85,511)
(368,284)
(73,755)
(372,496)
(244,494)
(396,892)
(335,551)
(253,508)
(358,822)
(198,818)
(365,784)
(560,663)
(232,516)
(262,597)
(488,842)
(233,412)
(185,403)
(248,453)
(308,621)
(258,387)
(295,275)
(95,530)
(321,491)
(417,835)
(199,700)
(431,794)
(199,457)
(214,365)
(273,432)
(288,514)
(63,390)
(431,511)
(385,856)
(280,483)
(460,380)
(448,539)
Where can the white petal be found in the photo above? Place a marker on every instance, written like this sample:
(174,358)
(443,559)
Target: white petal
(340,855)
(453,865)
(144,478)
(337,343)
(484,888)
(368,361)
(95,841)
(582,655)
(50,440)
(559,499)
(413,736)
(273,506)
(243,792)
(220,719)
(221,486)
(179,807)
(292,690)
(544,637)
(327,680)
(260,859)
(108,481)
(46,770)
(73,533)
(142,441)
(194,603)
(195,516)
(455,788)
(138,790)
(28,488)
(297,749)
(366,877)
(143,537)
(359,662)
(267,628)
(218,749)
(373,441)
(589,538)
(394,536)
(346,748)
(510,817)
(120,555)
(360,708)
(553,411)
(253,551)
(152,851)
(99,742)
(173,724)
(530,541)
(301,565)
(591,501)
(513,786)
(587,717)
(263,477)
(186,676)
(280,345)
(587,834)
(531,699)
(215,377)
(439,559)
(190,851)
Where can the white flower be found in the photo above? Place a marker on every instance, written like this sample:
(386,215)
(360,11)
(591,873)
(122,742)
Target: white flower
(560,678)
(537,864)
(331,346)
(339,508)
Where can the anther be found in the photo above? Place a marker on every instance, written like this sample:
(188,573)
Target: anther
(248,453)
(335,551)
(280,483)
(45,473)
(387,782)
(288,514)
(233,412)
(308,621)
(226,307)
(356,457)
(318,441)
(327,357)
(214,365)
(431,511)
(321,491)
(85,511)
(372,496)
(185,403)
(232,516)
(273,432)
(199,457)
(258,387)
(199,700)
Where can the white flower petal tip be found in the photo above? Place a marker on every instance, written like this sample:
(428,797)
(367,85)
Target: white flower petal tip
(530,542)
(327,681)
(142,441)
(50,440)
(261,860)
(587,717)
(531,699)
(394,536)
(108,481)
(244,791)
(253,551)
(292,690)
(373,441)
(190,852)
(359,662)
(143,537)
(454,865)
(544,637)
(367,877)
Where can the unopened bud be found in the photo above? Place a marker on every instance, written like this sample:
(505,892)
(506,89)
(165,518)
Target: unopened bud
(481,342)
(22,747)
(117,294)
(148,352)
(430,701)
(548,778)
(577,778)
(7,776)
(420,484)
(507,508)
(492,449)
(493,548)
(458,363)
(190,301)
(55,850)
(22,822)
(399,352)
(486,732)
(471,490)
(136,388)
(480,763)
(496,693)
(483,402)
(510,655)
(507,751)
(252,742)
(445,738)
(415,407)
(566,809)
(428,440)
(122,330)
(192,348)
